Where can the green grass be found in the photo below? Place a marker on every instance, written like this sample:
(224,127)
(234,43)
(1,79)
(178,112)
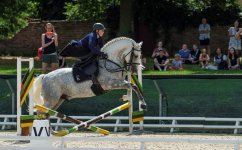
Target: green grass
(8,66)
(188,70)
(192,69)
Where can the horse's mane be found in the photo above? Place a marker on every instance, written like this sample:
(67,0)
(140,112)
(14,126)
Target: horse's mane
(118,39)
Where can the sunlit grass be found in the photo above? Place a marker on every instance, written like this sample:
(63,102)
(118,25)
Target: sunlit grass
(8,66)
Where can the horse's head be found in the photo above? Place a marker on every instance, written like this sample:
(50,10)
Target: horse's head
(132,57)
(124,52)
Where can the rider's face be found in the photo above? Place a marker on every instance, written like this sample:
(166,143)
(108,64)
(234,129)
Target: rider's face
(100,33)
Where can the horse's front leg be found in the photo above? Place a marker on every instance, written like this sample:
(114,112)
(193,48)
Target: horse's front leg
(137,92)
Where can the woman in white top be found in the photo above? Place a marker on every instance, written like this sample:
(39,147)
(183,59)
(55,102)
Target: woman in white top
(204,35)
(234,41)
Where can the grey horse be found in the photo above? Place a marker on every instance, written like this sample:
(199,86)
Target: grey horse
(50,90)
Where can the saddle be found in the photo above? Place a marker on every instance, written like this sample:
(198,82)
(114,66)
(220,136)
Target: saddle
(88,70)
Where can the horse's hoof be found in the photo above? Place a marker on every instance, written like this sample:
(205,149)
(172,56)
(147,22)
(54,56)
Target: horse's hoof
(144,106)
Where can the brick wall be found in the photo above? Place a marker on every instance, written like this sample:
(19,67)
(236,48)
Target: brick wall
(219,38)
(190,36)
(28,40)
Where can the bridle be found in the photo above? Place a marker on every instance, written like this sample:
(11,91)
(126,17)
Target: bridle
(127,66)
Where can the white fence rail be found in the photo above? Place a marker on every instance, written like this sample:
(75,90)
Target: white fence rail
(143,141)
(117,122)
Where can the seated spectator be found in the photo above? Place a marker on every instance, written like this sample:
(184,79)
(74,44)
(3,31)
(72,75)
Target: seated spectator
(233,59)
(161,62)
(220,61)
(204,58)
(195,53)
(156,51)
(176,63)
(185,54)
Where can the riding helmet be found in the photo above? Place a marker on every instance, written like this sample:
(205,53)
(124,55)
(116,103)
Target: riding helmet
(98,26)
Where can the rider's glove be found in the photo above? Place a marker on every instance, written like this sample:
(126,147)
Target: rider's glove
(104,56)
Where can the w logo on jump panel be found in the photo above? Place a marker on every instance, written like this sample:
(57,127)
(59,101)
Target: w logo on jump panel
(41,128)
(40,132)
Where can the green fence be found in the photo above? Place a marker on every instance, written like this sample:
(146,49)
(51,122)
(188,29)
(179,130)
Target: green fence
(185,97)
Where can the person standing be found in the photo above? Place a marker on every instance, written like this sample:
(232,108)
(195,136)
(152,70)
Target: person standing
(204,35)
(49,41)
(234,41)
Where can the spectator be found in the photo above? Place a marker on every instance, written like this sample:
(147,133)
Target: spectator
(161,61)
(234,41)
(233,59)
(176,63)
(195,53)
(185,54)
(204,58)
(204,35)
(220,61)
(156,51)
(49,43)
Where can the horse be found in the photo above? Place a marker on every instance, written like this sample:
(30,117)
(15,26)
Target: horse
(50,90)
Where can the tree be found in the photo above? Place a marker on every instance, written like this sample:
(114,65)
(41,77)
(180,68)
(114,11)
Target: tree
(15,15)
(52,9)
(87,9)
(126,21)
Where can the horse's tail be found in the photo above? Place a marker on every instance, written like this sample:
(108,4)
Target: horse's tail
(37,85)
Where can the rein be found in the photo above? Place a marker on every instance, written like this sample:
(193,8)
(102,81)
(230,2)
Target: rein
(126,67)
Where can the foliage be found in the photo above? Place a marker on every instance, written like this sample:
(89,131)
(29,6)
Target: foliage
(52,9)
(112,19)
(181,13)
(87,9)
(15,14)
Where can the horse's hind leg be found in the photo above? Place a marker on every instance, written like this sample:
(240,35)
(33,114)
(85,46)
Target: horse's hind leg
(57,105)
(53,102)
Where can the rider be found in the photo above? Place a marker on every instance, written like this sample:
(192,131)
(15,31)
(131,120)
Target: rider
(93,41)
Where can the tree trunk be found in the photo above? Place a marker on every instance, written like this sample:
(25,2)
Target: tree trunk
(126,18)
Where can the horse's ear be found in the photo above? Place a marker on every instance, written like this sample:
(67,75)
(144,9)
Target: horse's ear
(140,43)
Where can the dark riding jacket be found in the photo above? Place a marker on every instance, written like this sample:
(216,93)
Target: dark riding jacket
(91,42)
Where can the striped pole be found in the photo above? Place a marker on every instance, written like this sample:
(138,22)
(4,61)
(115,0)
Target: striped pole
(26,86)
(94,120)
(70,119)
